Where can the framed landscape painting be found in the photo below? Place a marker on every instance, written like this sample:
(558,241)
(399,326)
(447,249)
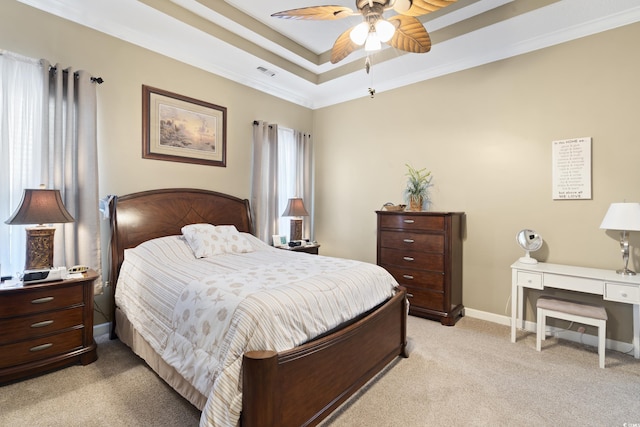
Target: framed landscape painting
(181,129)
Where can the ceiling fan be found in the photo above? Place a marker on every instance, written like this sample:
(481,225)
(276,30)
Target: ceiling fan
(403,31)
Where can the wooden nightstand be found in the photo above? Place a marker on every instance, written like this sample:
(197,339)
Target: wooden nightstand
(309,249)
(46,326)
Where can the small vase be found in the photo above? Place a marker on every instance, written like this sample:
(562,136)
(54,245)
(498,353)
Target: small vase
(415,205)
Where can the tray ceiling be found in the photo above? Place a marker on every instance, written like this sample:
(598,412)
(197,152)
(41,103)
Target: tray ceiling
(290,59)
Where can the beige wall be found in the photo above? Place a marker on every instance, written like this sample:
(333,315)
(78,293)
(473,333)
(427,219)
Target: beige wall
(125,68)
(485,133)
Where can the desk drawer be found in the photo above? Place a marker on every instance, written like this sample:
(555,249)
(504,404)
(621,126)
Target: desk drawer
(571,283)
(620,292)
(529,280)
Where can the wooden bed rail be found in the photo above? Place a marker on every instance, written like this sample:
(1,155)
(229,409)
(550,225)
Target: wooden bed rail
(333,367)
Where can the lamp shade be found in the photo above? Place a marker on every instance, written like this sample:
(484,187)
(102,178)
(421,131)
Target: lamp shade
(295,207)
(622,216)
(39,206)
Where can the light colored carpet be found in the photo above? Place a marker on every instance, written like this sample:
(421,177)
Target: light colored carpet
(469,374)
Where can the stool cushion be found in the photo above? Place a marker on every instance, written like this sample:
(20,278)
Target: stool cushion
(572,307)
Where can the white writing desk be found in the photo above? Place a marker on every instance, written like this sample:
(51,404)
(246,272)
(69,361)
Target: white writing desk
(607,283)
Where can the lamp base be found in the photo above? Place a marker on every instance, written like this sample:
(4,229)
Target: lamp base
(295,232)
(626,272)
(39,248)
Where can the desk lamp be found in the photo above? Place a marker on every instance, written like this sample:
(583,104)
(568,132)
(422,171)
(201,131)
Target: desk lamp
(624,217)
(40,206)
(295,208)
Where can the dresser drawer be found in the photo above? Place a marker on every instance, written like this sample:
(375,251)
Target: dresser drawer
(21,328)
(412,259)
(417,278)
(621,292)
(412,241)
(38,300)
(424,298)
(40,348)
(412,222)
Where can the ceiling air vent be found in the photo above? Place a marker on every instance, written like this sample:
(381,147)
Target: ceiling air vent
(266,71)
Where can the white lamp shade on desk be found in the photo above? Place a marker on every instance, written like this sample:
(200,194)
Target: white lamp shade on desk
(623,217)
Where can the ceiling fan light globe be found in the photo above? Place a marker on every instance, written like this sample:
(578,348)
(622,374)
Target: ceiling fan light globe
(401,6)
(373,42)
(359,33)
(385,30)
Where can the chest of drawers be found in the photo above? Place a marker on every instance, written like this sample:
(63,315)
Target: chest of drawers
(46,326)
(423,252)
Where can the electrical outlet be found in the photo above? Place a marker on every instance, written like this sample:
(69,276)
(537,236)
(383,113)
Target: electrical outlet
(581,329)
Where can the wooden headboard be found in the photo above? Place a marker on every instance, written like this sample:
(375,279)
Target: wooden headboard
(138,217)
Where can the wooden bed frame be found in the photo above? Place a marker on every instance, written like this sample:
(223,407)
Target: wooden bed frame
(298,387)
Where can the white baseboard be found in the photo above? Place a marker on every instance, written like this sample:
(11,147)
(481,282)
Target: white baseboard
(587,339)
(101,329)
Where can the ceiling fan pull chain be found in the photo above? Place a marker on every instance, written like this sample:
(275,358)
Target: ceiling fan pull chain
(367,67)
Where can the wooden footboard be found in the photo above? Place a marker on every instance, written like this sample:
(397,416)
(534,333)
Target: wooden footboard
(302,386)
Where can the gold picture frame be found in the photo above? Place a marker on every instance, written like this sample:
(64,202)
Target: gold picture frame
(177,128)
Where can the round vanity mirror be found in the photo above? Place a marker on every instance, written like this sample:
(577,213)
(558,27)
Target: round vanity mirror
(530,241)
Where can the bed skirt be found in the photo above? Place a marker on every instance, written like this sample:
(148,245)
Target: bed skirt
(132,338)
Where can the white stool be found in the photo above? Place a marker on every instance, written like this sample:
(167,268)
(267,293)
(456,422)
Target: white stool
(574,312)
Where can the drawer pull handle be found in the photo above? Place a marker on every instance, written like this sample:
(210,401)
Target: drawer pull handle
(42,300)
(409,221)
(623,294)
(406,276)
(409,240)
(41,347)
(409,295)
(42,324)
(408,258)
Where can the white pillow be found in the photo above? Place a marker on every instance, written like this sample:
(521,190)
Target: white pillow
(208,240)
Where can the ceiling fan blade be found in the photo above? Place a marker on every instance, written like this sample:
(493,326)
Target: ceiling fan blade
(316,12)
(422,7)
(342,47)
(410,35)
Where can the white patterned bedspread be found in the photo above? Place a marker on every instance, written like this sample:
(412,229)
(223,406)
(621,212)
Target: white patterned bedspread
(202,315)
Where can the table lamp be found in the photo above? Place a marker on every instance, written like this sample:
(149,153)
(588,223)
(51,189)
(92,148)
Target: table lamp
(295,208)
(40,206)
(624,217)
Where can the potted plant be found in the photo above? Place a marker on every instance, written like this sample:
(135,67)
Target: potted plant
(417,191)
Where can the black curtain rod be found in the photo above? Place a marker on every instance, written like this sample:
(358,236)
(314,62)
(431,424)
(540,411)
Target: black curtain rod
(255,123)
(98,80)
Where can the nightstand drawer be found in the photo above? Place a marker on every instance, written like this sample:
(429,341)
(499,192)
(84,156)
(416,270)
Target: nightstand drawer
(40,348)
(412,222)
(21,328)
(412,259)
(412,241)
(38,300)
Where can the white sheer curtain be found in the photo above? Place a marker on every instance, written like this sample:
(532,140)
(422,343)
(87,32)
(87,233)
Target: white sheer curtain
(282,168)
(295,179)
(48,136)
(21,108)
